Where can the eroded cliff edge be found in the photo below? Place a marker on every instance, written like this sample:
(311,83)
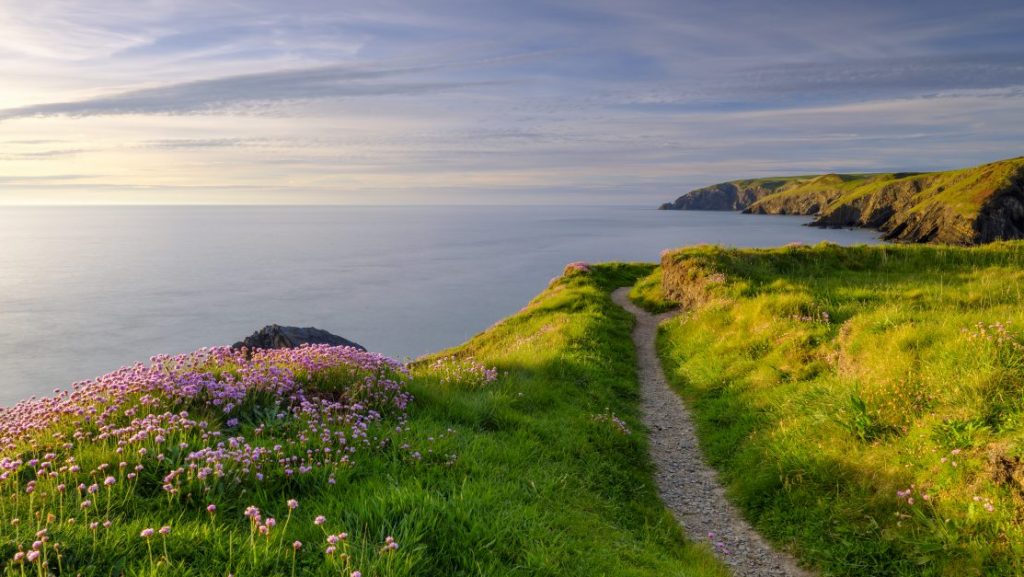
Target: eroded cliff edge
(967,206)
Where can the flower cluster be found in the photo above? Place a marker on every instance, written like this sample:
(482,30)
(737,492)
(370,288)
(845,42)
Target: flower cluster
(574,267)
(998,333)
(907,495)
(616,422)
(466,371)
(1007,346)
(986,503)
(206,423)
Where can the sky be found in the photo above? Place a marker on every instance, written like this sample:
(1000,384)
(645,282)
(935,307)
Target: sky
(488,101)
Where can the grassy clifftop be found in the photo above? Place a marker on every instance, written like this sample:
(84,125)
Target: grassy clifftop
(518,453)
(968,206)
(864,404)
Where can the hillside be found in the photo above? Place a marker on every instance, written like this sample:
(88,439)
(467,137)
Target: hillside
(518,453)
(863,403)
(968,206)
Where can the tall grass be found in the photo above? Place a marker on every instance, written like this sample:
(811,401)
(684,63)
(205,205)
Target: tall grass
(865,405)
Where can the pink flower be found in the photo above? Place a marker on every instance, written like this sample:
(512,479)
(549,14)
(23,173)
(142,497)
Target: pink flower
(320,520)
(211,508)
(331,549)
(32,556)
(165,530)
(297,545)
(147,533)
(109,481)
(293,504)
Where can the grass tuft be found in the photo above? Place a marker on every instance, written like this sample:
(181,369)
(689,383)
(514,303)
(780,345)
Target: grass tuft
(863,404)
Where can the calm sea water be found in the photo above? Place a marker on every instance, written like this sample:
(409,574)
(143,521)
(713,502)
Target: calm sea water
(86,290)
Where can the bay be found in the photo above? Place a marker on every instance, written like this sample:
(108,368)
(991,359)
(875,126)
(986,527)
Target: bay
(84,290)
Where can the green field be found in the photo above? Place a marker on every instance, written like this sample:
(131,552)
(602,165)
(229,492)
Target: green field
(530,474)
(865,405)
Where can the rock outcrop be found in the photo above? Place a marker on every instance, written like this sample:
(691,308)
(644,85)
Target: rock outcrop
(278,337)
(736,195)
(969,206)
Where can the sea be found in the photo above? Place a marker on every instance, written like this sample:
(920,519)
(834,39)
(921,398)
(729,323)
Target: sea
(85,290)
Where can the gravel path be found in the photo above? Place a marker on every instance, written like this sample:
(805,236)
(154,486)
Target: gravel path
(688,486)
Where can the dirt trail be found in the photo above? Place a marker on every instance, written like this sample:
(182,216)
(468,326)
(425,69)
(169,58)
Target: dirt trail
(688,486)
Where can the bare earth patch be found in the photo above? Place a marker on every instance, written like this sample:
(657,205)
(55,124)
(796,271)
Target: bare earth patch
(688,486)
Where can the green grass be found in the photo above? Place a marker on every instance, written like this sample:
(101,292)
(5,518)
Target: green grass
(647,294)
(523,476)
(964,191)
(835,388)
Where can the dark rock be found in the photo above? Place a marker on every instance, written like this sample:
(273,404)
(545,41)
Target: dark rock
(278,337)
(724,196)
(1002,216)
(961,207)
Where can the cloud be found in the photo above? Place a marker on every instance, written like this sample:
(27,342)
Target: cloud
(47,180)
(890,75)
(233,92)
(42,154)
(326,97)
(200,143)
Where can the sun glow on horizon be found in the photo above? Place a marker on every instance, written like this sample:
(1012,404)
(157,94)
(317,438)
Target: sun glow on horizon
(200,103)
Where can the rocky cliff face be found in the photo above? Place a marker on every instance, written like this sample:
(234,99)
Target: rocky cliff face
(801,196)
(1003,215)
(968,206)
(736,195)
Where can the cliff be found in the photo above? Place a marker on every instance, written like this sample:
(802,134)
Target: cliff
(967,206)
(735,195)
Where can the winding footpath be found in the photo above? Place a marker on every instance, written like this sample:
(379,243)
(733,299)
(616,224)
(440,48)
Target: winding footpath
(688,486)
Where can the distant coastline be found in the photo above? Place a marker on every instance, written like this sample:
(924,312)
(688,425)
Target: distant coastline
(969,206)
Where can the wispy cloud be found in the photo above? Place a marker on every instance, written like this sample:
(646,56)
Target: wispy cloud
(230,92)
(345,101)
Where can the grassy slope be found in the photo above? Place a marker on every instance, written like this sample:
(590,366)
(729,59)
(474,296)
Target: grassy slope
(964,190)
(539,486)
(842,183)
(827,382)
